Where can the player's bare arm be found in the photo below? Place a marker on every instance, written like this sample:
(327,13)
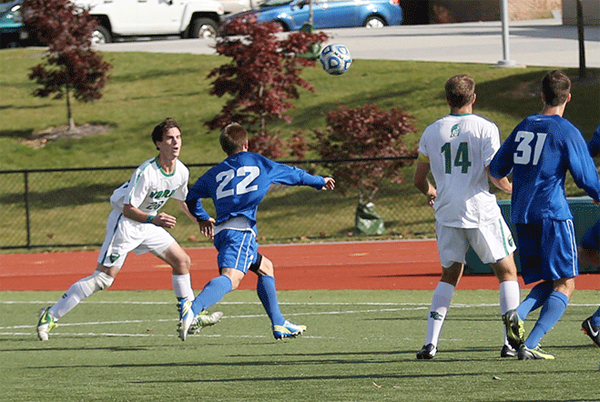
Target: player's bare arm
(162,219)
(420,181)
(186,210)
(503,184)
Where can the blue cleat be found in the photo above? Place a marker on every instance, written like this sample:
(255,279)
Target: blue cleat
(591,330)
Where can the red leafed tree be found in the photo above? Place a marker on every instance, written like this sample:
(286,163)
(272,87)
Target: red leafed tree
(71,67)
(262,77)
(366,132)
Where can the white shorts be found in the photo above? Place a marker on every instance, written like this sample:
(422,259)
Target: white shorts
(491,242)
(124,235)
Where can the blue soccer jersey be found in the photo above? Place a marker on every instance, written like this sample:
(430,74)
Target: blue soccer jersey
(594,144)
(539,152)
(239,183)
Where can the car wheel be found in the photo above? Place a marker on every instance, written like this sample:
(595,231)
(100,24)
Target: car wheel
(204,28)
(375,22)
(101,35)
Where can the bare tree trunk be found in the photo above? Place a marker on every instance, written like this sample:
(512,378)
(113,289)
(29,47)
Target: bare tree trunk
(69,113)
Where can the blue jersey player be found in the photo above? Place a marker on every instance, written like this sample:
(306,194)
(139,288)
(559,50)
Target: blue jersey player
(588,253)
(539,152)
(237,185)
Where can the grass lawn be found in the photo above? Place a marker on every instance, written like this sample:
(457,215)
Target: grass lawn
(146,87)
(360,346)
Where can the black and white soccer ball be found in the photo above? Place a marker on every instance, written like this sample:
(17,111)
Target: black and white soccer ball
(335,59)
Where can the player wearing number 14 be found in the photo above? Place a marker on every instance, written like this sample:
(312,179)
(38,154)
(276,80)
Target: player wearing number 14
(458,148)
(539,152)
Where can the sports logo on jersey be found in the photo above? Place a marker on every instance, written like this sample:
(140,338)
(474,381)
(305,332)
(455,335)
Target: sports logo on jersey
(436,316)
(113,257)
(454,131)
(511,241)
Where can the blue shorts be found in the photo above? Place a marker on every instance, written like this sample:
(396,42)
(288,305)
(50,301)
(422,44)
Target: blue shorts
(547,250)
(591,238)
(237,249)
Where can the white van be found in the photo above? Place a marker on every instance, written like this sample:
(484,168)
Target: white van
(124,18)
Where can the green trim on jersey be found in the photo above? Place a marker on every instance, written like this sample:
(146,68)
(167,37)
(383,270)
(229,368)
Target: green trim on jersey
(155,160)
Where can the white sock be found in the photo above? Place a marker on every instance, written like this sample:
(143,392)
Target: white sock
(182,286)
(510,297)
(76,293)
(440,302)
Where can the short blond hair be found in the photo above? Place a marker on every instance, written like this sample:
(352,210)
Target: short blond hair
(459,90)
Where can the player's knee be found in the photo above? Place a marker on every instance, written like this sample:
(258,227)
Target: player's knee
(98,281)
(266,267)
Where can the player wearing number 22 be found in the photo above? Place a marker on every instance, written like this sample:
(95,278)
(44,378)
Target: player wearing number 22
(237,186)
(458,148)
(539,152)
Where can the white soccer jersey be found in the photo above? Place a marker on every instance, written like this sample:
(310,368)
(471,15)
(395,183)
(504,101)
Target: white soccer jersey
(150,187)
(458,148)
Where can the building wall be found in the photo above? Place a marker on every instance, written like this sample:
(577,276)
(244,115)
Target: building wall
(447,11)
(590,8)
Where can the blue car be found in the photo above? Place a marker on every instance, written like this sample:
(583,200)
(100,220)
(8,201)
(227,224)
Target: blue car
(12,33)
(293,14)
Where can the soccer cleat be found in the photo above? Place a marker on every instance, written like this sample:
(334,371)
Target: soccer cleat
(508,351)
(204,320)
(287,330)
(591,330)
(46,323)
(515,328)
(186,319)
(536,353)
(427,353)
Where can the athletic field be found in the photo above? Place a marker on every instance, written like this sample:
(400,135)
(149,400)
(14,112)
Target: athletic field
(122,345)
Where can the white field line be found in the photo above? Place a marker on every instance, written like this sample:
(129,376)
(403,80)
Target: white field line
(399,307)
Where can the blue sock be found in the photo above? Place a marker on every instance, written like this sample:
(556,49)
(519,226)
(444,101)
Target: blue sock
(596,318)
(551,312)
(212,293)
(535,299)
(268,296)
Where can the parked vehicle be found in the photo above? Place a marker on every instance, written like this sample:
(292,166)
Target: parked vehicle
(126,18)
(238,6)
(12,32)
(292,14)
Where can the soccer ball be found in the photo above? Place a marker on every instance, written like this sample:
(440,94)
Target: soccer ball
(335,59)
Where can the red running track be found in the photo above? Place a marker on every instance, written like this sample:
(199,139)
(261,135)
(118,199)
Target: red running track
(405,264)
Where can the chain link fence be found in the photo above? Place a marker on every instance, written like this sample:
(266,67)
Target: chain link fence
(58,208)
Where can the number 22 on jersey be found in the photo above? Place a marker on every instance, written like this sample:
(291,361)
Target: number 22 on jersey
(224,178)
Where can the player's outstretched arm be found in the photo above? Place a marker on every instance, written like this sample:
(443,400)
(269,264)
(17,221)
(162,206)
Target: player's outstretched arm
(329,183)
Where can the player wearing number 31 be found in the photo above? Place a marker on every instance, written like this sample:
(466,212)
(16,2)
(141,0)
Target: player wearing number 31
(458,148)
(539,152)
(237,185)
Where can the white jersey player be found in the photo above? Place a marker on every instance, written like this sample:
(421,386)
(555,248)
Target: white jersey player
(457,149)
(135,225)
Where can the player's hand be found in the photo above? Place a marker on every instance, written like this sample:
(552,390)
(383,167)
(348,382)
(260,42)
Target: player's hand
(164,220)
(207,228)
(329,183)
(431,200)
